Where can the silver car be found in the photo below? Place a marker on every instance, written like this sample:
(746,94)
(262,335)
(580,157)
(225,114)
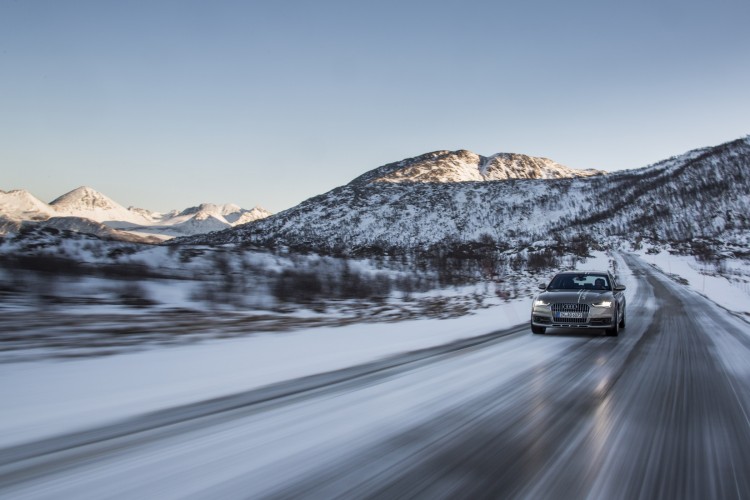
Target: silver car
(580,299)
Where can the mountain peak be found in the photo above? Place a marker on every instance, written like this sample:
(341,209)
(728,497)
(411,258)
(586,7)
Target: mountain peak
(84,198)
(465,166)
(21,204)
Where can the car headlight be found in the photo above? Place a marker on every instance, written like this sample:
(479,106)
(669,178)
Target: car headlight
(604,303)
(540,302)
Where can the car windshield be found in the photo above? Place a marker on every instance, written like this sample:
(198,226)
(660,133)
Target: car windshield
(580,282)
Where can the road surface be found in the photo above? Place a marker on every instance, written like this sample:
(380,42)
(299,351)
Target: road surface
(659,412)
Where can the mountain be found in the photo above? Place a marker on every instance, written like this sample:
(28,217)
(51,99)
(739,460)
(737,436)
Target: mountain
(88,211)
(199,223)
(703,194)
(465,166)
(230,214)
(201,219)
(22,205)
(426,204)
(85,202)
(246,216)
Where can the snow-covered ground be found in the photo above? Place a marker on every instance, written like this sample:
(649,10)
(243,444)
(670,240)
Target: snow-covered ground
(46,397)
(728,286)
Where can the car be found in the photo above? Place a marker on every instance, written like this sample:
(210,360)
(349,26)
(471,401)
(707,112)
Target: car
(580,299)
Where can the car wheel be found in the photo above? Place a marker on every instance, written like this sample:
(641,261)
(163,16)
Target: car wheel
(622,320)
(538,329)
(615,330)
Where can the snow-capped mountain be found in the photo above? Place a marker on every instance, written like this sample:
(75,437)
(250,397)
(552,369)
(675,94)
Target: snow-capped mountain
(87,210)
(22,205)
(465,166)
(251,215)
(88,203)
(231,215)
(204,218)
(198,223)
(426,203)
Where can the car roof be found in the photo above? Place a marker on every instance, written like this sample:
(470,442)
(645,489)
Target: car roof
(578,273)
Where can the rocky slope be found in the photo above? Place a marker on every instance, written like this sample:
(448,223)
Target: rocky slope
(427,204)
(465,166)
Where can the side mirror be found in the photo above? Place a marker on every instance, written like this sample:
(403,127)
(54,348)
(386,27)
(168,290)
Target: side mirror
(542,286)
(619,288)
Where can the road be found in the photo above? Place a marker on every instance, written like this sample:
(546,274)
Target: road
(659,412)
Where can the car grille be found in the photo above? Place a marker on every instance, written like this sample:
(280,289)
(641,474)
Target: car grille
(570,308)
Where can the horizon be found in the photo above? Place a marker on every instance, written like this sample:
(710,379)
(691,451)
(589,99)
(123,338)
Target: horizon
(250,207)
(171,105)
(188,206)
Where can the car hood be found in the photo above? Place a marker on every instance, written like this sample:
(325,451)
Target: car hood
(576,296)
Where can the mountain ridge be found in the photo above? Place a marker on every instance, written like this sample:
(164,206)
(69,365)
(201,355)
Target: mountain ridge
(465,166)
(90,211)
(700,194)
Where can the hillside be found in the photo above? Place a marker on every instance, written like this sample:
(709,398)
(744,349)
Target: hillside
(701,194)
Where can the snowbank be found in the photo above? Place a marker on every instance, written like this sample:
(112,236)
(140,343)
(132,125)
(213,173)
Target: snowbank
(732,295)
(49,397)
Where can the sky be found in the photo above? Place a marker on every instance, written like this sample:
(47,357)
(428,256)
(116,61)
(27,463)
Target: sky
(167,104)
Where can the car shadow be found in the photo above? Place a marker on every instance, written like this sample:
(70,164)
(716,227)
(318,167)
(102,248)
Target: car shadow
(576,332)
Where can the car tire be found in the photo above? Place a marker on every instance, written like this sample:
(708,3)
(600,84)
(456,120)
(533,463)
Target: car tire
(622,320)
(539,330)
(615,330)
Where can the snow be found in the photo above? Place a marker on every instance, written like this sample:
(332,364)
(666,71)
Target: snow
(732,295)
(259,454)
(424,203)
(85,204)
(45,398)
(20,204)
(88,203)
(466,166)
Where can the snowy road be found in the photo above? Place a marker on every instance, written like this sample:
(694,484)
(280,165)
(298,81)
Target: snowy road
(659,412)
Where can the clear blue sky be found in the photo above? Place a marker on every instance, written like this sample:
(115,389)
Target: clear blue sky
(165,104)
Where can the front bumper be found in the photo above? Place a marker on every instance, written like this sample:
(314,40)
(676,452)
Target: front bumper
(590,317)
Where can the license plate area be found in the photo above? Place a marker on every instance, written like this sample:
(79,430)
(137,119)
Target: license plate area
(569,315)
